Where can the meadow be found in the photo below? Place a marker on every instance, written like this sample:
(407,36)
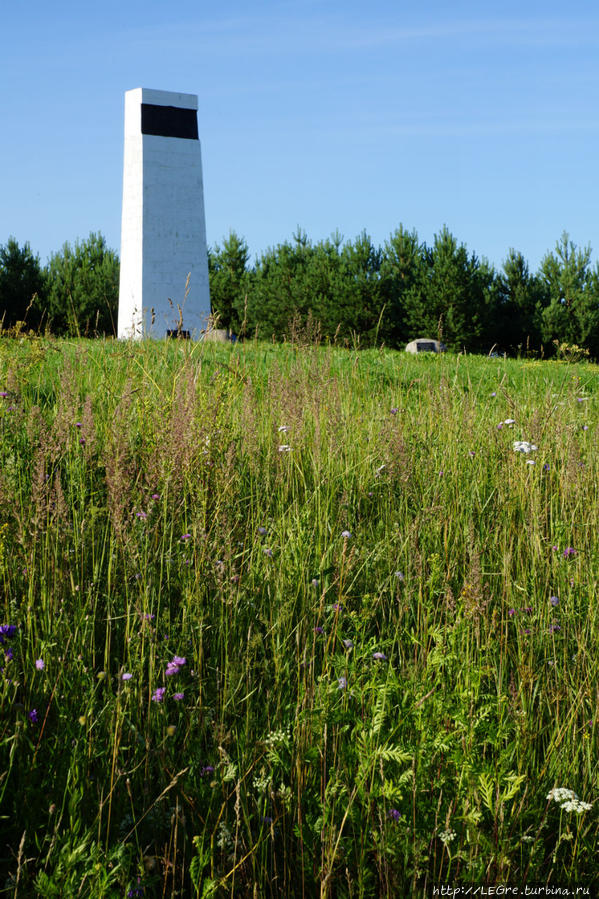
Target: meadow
(295,620)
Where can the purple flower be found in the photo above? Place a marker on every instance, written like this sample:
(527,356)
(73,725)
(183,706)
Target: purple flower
(8,631)
(342,683)
(171,669)
(394,815)
(337,607)
(142,515)
(262,531)
(511,612)
(178,696)
(186,537)
(318,629)
(33,716)
(315,582)
(206,769)
(158,694)
(471,453)
(78,424)
(493,394)
(9,654)
(348,644)
(394,411)
(346,534)
(179,660)
(126,676)
(155,496)
(569,551)
(39,664)
(528,610)
(554,628)
(267,552)
(554,600)
(4,393)
(379,656)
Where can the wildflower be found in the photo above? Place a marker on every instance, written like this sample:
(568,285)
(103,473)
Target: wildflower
(337,607)
(400,575)
(554,628)
(171,669)
(101,675)
(284,448)
(348,644)
(379,656)
(546,466)
(318,629)
(39,664)
(262,531)
(394,814)
(206,769)
(380,469)
(530,462)
(585,427)
(81,720)
(554,600)
(569,551)
(394,411)
(148,616)
(8,631)
(342,683)
(33,716)
(267,552)
(155,496)
(576,805)
(446,836)
(9,654)
(126,676)
(523,446)
(186,537)
(509,422)
(346,535)
(178,697)
(528,610)
(493,394)
(282,429)
(315,582)
(142,515)
(171,730)
(511,612)
(4,393)
(472,454)
(158,694)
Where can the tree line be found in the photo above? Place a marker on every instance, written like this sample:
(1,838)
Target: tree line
(349,290)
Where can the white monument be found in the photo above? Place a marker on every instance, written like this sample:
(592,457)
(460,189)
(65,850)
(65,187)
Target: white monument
(164,260)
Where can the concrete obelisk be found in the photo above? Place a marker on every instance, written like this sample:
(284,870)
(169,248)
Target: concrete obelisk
(164,260)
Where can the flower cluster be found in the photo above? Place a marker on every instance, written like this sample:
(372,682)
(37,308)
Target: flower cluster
(175,665)
(523,446)
(568,800)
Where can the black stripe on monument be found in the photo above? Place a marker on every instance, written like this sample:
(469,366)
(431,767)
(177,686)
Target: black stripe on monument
(169,121)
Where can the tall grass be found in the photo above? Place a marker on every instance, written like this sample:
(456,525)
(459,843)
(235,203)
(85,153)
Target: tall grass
(294,621)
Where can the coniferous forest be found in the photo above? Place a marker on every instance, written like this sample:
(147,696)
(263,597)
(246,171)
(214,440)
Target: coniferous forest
(346,291)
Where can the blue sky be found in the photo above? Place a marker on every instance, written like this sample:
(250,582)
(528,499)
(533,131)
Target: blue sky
(325,114)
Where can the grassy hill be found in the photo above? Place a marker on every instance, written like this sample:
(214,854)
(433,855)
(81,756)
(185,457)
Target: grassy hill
(295,620)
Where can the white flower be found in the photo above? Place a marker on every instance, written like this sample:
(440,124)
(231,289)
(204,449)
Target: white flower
(284,448)
(576,805)
(530,462)
(446,836)
(561,794)
(522,446)
(509,422)
(283,429)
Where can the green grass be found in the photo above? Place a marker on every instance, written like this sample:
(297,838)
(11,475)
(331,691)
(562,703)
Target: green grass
(147,512)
